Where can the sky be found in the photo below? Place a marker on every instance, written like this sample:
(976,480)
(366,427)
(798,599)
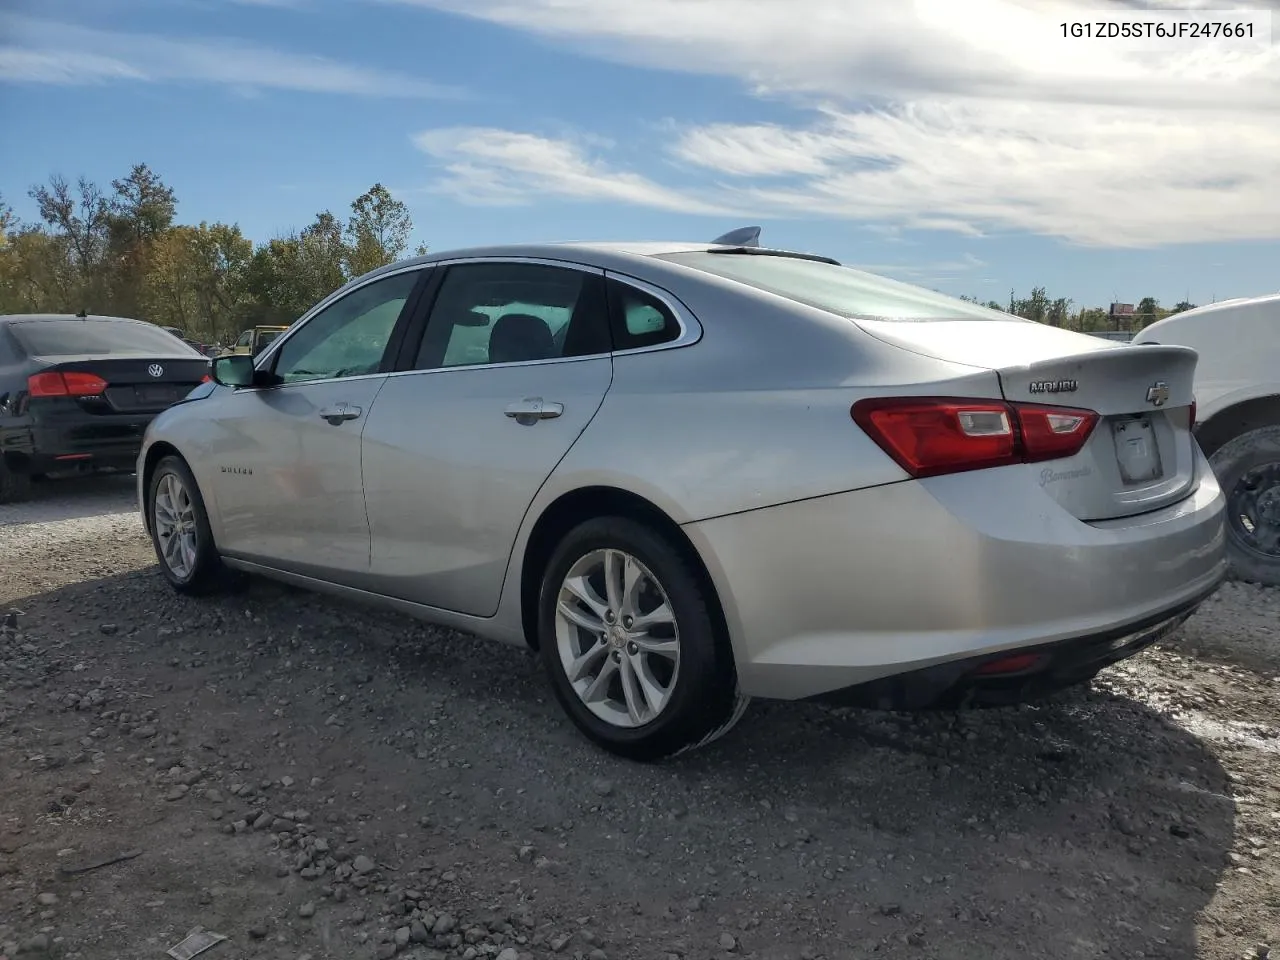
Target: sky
(965,145)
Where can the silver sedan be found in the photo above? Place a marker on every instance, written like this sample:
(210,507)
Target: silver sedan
(690,474)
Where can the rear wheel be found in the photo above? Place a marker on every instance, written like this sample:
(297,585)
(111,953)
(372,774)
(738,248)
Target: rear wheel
(1248,469)
(180,530)
(13,486)
(627,636)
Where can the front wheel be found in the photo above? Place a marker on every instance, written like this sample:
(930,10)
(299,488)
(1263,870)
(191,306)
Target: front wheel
(627,637)
(1248,470)
(180,530)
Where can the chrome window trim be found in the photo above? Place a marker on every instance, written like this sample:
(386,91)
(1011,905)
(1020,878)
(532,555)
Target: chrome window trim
(690,329)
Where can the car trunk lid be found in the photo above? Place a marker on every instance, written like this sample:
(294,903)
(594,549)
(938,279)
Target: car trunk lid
(133,384)
(1141,454)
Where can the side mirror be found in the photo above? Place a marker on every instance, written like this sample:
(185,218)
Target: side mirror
(237,370)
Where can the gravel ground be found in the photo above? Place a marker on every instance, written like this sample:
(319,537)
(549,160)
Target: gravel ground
(312,780)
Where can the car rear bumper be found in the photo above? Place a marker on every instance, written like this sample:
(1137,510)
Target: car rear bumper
(69,442)
(836,592)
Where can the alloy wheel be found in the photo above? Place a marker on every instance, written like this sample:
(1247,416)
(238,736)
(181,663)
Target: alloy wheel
(617,638)
(174,516)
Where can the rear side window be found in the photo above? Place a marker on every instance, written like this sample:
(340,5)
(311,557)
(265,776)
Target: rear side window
(69,338)
(639,319)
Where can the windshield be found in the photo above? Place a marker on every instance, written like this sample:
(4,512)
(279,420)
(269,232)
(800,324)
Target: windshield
(69,338)
(842,290)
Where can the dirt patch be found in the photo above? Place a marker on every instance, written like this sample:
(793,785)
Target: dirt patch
(314,780)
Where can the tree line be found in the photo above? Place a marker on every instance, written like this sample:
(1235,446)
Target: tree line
(1058,312)
(122,252)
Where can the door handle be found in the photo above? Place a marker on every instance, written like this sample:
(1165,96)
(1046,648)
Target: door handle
(340,412)
(532,409)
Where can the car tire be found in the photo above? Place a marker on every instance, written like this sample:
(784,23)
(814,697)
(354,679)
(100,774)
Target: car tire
(14,487)
(1241,464)
(200,569)
(701,700)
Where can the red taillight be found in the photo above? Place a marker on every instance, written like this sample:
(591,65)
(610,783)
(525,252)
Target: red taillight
(1050,433)
(70,384)
(1191,424)
(928,436)
(206,378)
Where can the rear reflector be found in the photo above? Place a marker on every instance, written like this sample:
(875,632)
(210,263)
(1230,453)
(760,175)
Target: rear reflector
(72,383)
(929,436)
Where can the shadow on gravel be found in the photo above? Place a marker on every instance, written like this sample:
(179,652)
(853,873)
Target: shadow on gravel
(1082,825)
(73,498)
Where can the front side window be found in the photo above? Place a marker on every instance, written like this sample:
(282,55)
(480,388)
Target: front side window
(488,313)
(349,337)
(836,289)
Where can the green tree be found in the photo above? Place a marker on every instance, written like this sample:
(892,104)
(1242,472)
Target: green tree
(378,231)
(80,217)
(1059,313)
(1148,311)
(140,212)
(1034,307)
(1182,306)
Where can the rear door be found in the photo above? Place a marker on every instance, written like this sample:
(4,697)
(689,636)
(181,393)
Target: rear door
(512,366)
(1141,455)
(283,462)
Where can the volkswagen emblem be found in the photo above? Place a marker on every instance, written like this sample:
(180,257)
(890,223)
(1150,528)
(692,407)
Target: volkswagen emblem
(1158,393)
(158,371)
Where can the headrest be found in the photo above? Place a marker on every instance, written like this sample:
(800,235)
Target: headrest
(520,336)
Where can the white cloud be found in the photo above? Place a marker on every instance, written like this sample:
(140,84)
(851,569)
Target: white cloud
(47,51)
(975,116)
(500,167)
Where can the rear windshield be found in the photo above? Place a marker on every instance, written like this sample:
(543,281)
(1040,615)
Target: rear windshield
(842,290)
(69,338)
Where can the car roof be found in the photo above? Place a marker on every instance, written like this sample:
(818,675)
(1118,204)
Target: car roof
(607,255)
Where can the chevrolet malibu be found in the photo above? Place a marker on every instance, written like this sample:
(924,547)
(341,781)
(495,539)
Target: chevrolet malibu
(689,474)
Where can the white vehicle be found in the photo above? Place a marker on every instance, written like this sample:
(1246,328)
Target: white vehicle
(1237,387)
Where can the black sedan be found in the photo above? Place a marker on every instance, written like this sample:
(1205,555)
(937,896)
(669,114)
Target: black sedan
(77,392)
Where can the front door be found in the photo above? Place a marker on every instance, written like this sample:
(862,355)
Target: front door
(287,478)
(513,365)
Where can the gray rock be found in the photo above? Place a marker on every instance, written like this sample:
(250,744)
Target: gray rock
(444,924)
(47,899)
(510,953)
(308,909)
(402,937)
(36,946)
(603,787)
(728,941)
(363,865)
